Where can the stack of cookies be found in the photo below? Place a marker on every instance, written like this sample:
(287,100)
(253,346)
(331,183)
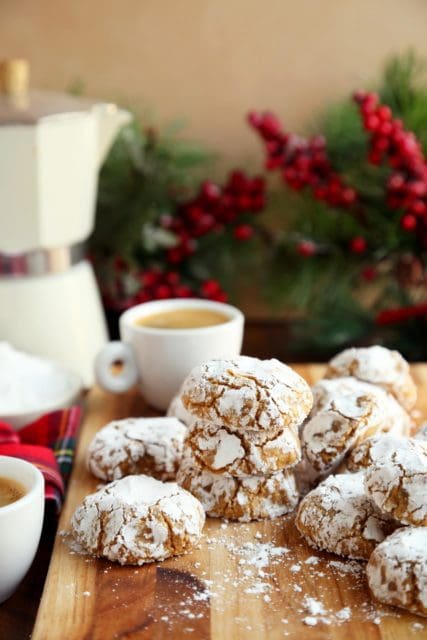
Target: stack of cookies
(366,391)
(243,441)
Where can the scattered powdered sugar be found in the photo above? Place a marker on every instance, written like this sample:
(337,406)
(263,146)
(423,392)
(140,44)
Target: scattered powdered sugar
(344,614)
(258,568)
(350,566)
(310,621)
(312,606)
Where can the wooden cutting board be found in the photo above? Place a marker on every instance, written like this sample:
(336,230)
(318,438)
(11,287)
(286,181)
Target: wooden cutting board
(247,581)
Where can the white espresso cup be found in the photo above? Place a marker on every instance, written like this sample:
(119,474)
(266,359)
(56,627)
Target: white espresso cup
(160,359)
(20,523)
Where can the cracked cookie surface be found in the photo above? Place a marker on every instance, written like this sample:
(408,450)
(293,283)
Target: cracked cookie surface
(379,448)
(397,570)
(337,516)
(177,410)
(138,519)
(243,453)
(390,416)
(379,366)
(152,446)
(243,499)
(247,393)
(397,480)
(329,435)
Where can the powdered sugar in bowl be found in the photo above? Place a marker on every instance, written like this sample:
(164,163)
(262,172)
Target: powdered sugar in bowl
(31,386)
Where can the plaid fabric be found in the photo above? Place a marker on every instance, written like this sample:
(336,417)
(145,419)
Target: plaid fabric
(49,443)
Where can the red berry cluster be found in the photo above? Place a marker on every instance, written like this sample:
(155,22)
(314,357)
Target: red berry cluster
(303,162)
(156,284)
(391,143)
(212,209)
(159,285)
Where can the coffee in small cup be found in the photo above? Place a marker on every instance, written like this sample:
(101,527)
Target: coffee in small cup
(183,318)
(163,340)
(10,491)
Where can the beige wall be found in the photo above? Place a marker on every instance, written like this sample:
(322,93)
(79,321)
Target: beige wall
(211,60)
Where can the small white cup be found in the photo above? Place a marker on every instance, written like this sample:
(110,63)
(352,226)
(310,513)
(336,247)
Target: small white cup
(20,524)
(160,359)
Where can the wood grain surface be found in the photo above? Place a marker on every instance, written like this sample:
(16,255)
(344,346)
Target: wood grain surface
(225,589)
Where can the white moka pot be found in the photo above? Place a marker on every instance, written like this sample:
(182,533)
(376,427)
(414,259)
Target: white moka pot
(51,149)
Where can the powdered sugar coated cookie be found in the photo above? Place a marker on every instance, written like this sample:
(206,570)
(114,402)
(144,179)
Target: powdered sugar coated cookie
(138,519)
(330,434)
(337,516)
(390,415)
(397,480)
(243,499)
(380,366)
(242,453)
(247,393)
(379,448)
(397,570)
(137,445)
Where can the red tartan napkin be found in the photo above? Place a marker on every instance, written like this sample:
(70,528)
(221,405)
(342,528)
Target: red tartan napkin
(49,443)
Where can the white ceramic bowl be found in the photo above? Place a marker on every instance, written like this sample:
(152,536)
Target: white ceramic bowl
(19,419)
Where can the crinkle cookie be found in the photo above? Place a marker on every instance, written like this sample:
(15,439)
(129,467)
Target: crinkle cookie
(242,453)
(138,519)
(391,417)
(380,366)
(177,410)
(379,448)
(243,499)
(137,445)
(338,517)
(397,570)
(247,393)
(330,434)
(397,481)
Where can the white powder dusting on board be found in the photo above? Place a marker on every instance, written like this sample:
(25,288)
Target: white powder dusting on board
(257,569)
(28,383)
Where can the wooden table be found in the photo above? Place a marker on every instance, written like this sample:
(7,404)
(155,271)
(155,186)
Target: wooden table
(210,593)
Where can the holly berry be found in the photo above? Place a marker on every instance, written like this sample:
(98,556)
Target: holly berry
(183,291)
(303,162)
(391,143)
(306,248)
(369,273)
(358,244)
(408,222)
(243,232)
(210,287)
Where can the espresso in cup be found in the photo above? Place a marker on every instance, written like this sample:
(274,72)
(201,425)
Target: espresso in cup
(185,318)
(10,491)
